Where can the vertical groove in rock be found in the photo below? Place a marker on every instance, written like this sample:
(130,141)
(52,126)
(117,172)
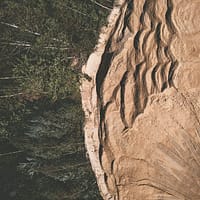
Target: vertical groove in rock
(142,105)
(122,103)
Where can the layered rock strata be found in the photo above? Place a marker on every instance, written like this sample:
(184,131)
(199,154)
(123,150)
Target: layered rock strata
(141,101)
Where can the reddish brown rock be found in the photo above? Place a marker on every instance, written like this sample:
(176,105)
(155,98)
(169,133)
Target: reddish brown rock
(142,104)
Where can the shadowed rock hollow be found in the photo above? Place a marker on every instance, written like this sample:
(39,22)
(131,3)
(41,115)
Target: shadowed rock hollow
(142,104)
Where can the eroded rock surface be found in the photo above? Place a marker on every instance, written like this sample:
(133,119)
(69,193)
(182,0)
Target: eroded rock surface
(142,103)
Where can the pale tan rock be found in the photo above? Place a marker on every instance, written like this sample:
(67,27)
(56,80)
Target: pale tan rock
(142,104)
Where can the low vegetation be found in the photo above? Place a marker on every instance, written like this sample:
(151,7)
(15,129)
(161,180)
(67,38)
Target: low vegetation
(43,45)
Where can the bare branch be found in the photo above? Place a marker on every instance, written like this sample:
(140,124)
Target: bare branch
(9,78)
(11,95)
(102,6)
(17,44)
(11,153)
(28,45)
(26,30)
(17,27)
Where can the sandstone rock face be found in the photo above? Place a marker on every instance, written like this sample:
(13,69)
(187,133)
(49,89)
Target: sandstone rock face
(142,103)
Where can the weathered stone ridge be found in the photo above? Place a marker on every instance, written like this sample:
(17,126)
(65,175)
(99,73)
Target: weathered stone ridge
(142,104)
